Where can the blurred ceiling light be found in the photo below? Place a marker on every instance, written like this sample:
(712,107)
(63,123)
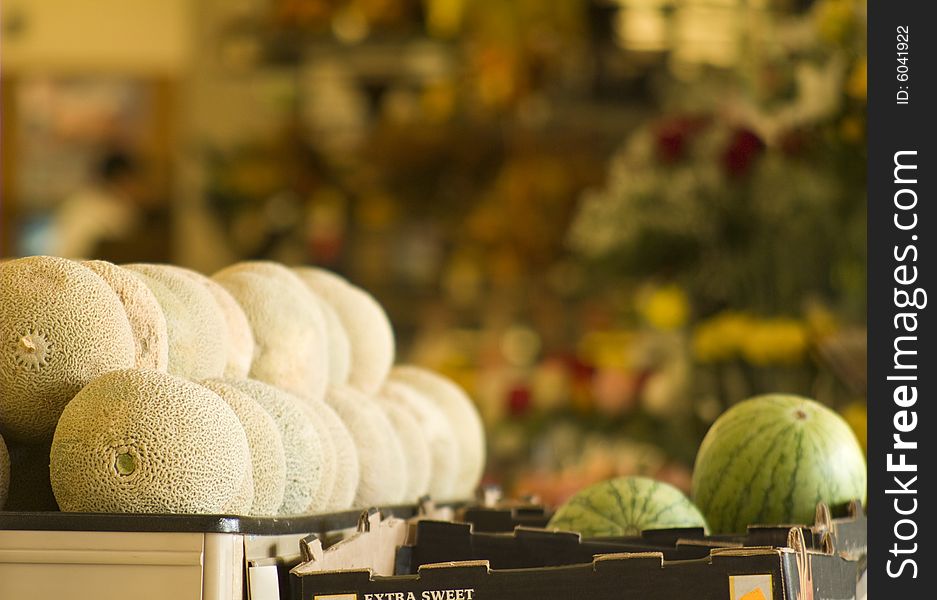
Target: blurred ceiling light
(694,32)
(641,25)
(707,33)
(350,24)
(444,17)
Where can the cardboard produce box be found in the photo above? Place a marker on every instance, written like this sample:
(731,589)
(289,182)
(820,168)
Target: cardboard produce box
(449,561)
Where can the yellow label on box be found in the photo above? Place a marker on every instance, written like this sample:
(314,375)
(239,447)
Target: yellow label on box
(750,587)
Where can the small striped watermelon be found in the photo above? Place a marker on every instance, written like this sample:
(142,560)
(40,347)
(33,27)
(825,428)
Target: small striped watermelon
(626,506)
(771,459)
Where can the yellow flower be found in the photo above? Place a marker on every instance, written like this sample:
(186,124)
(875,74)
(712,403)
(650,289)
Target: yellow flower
(665,308)
(720,338)
(834,20)
(607,349)
(857,84)
(776,341)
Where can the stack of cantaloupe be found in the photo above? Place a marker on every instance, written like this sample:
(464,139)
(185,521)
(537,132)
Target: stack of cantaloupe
(261,390)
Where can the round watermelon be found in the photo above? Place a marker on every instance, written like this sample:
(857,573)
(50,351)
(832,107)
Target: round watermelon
(626,506)
(771,459)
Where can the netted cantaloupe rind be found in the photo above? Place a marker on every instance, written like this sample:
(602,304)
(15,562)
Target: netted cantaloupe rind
(197,330)
(463,417)
(301,443)
(346,459)
(239,340)
(150,333)
(383,469)
(415,449)
(268,458)
(314,409)
(61,326)
(148,442)
(339,345)
(369,332)
(243,500)
(445,455)
(291,346)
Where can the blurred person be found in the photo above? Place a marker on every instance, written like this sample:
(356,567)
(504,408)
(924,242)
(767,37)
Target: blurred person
(108,209)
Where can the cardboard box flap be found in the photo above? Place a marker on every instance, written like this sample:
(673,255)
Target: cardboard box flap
(628,560)
(850,534)
(371,547)
(812,574)
(717,553)
(437,569)
(706,543)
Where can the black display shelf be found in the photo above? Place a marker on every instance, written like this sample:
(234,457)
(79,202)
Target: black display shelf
(132,522)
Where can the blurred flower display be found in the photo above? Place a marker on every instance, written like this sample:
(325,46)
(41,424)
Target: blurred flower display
(725,196)
(738,217)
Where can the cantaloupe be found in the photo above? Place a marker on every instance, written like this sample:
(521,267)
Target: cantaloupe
(415,449)
(150,333)
(4,472)
(242,501)
(315,409)
(366,325)
(346,458)
(61,325)
(383,469)
(197,329)
(149,442)
(463,417)
(301,443)
(443,447)
(339,345)
(289,330)
(239,341)
(268,458)
(30,488)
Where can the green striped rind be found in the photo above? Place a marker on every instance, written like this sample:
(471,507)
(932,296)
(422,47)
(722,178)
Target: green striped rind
(626,506)
(762,464)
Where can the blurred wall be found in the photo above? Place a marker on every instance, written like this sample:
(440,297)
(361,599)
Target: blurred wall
(140,36)
(145,41)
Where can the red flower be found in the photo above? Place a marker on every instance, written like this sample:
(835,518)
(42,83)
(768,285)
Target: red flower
(741,152)
(579,370)
(519,401)
(673,136)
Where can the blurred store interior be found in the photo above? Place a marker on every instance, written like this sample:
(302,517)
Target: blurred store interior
(607,219)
